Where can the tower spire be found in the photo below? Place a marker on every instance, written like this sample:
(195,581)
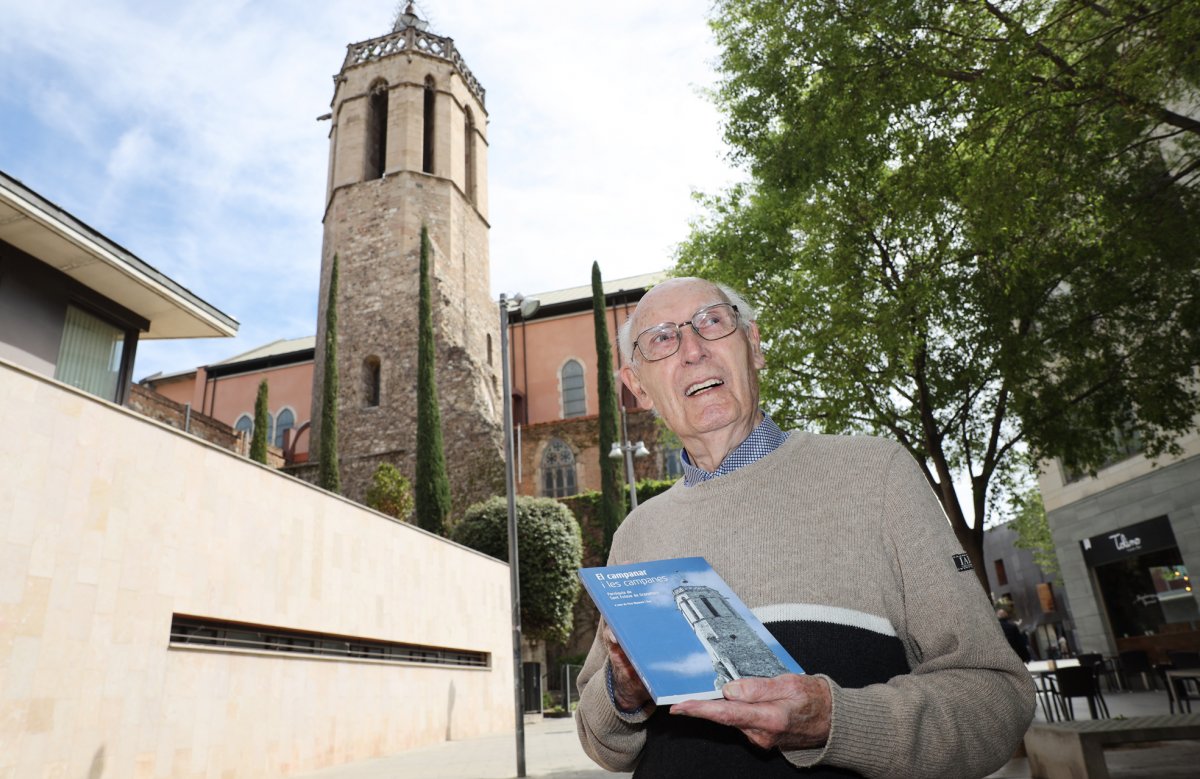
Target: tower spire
(409,18)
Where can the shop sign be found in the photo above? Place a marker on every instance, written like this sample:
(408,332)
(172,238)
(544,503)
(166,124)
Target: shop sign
(1128,541)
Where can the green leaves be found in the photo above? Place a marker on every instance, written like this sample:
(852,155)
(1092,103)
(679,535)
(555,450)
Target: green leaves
(549,554)
(432,498)
(974,228)
(612,506)
(262,423)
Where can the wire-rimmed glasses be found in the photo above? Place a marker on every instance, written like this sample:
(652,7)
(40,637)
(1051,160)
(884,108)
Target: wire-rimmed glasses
(711,323)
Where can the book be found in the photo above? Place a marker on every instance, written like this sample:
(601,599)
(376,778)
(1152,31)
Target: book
(685,631)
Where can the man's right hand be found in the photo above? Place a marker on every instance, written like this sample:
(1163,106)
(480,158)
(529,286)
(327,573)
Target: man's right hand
(628,691)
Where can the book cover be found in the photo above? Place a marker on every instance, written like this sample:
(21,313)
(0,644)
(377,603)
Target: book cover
(685,631)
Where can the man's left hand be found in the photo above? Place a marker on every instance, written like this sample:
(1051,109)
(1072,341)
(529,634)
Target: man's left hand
(789,711)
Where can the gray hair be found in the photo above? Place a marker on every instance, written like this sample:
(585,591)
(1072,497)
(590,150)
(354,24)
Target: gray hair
(746,315)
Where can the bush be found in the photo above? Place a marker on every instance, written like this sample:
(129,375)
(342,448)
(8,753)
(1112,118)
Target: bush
(548,555)
(390,492)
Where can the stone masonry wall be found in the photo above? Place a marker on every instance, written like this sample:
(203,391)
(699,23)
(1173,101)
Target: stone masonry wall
(374,228)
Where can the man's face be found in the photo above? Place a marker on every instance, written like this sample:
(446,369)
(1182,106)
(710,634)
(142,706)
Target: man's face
(708,389)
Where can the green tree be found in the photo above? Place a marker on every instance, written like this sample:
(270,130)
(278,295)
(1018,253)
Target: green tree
(390,492)
(612,504)
(328,475)
(432,497)
(262,424)
(1033,531)
(971,227)
(549,554)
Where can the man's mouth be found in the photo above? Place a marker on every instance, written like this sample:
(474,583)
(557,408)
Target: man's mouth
(701,386)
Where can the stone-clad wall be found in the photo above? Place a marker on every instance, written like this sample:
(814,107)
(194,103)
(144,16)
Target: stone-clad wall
(111,523)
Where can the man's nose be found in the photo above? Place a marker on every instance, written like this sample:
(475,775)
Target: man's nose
(691,346)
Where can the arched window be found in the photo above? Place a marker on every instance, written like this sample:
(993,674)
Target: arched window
(284,422)
(469,146)
(244,424)
(371,381)
(558,470)
(574,399)
(377,109)
(430,104)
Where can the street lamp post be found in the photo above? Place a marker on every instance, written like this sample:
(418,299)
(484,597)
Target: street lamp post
(527,307)
(513,572)
(629,450)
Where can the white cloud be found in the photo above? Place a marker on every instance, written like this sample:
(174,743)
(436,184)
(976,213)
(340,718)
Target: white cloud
(689,665)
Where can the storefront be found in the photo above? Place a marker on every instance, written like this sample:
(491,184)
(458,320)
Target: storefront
(1144,588)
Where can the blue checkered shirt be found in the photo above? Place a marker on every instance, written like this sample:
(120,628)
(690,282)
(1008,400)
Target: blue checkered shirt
(765,439)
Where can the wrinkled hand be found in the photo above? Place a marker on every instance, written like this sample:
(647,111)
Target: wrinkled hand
(789,711)
(628,689)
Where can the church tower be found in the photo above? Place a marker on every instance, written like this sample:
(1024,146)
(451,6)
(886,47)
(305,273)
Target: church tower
(408,147)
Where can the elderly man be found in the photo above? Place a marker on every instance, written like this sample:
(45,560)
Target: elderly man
(841,549)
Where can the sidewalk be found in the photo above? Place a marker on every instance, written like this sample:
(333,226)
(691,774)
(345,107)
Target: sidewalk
(552,751)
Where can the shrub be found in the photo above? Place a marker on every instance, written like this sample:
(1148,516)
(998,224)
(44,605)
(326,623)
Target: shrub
(548,555)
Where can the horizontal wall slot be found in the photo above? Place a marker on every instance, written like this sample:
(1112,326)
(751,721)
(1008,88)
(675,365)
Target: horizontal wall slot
(205,633)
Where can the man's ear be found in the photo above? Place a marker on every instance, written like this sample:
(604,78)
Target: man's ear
(630,379)
(760,362)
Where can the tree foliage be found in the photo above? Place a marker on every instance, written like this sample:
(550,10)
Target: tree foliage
(971,227)
(548,556)
(432,498)
(390,492)
(612,506)
(1033,531)
(328,476)
(262,424)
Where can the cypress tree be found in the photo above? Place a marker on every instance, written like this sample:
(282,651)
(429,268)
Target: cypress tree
(431,492)
(327,475)
(612,503)
(262,421)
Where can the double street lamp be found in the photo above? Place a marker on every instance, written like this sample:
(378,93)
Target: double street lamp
(629,450)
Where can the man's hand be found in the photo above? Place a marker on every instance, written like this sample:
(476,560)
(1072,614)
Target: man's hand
(628,690)
(789,711)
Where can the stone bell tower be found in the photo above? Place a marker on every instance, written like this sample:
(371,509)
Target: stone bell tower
(408,147)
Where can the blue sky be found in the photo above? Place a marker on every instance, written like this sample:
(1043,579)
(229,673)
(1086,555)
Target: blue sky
(187,133)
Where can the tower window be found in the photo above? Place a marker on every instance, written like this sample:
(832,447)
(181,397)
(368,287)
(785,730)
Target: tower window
(489,347)
(377,109)
(430,103)
(371,381)
(558,470)
(469,146)
(574,397)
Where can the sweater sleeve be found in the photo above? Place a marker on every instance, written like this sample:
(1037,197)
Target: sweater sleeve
(610,737)
(968,699)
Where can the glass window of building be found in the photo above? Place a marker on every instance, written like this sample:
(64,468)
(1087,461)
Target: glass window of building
(574,397)
(284,422)
(89,356)
(558,470)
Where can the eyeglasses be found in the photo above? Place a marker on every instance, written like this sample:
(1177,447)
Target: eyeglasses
(711,323)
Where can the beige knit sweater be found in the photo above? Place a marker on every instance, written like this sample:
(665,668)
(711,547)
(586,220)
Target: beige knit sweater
(840,547)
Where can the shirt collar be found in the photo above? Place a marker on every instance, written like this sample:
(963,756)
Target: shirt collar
(764,439)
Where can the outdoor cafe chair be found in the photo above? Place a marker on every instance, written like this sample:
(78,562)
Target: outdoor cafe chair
(1080,682)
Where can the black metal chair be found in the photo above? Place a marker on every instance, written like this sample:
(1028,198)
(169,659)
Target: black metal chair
(1182,690)
(1100,667)
(1137,661)
(1080,682)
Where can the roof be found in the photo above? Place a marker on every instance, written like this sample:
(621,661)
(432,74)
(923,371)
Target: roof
(273,349)
(46,232)
(562,300)
(283,351)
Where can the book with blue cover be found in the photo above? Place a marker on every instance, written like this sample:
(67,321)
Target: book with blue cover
(685,631)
